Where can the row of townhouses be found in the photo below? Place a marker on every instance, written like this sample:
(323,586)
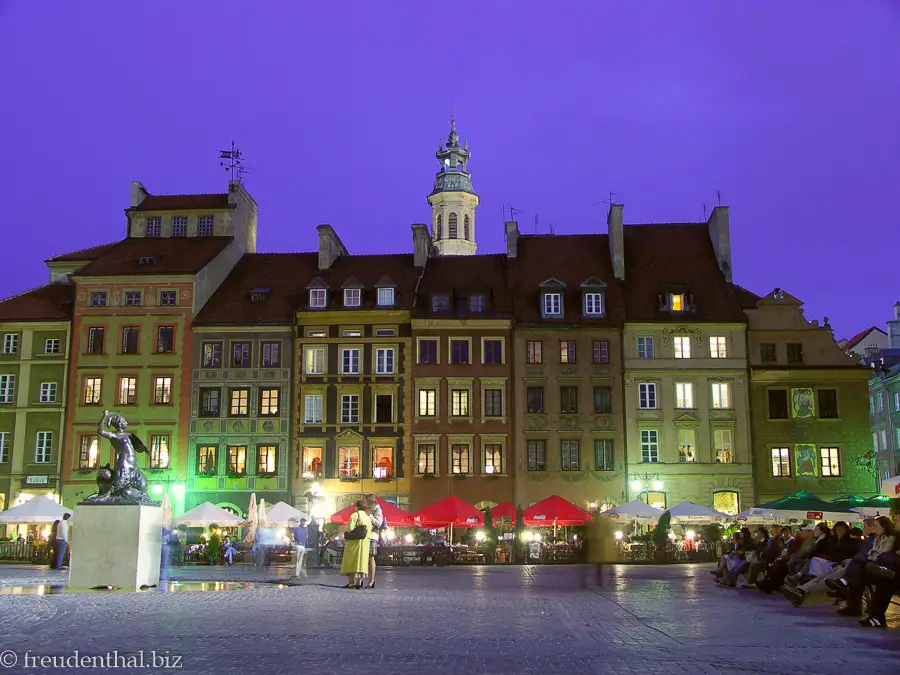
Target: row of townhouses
(599,367)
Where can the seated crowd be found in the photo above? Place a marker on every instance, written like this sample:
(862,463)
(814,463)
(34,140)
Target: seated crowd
(843,562)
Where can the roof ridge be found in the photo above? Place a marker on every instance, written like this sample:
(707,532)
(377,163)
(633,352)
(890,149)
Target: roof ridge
(30,290)
(82,250)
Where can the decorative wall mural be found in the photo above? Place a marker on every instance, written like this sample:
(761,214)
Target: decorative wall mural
(803,403)
(805,461)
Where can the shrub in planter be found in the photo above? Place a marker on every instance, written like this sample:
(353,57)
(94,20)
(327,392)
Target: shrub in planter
(661,536)
(213,549)
(518,531)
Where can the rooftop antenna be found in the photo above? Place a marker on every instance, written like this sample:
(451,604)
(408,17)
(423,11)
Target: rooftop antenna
(513,212)
(535,223)
(232,160)
(704,213)
(552,231)
(719,196)
(609,201)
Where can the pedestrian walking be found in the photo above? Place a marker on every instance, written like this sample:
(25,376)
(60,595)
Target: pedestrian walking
(379,525)
(355,562)
(299,534)
(600,549)
(62,541)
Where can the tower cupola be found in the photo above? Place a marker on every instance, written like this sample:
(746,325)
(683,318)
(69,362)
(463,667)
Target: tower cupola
(453,200)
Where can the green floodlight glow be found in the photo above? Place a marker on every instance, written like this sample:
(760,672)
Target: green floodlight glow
(157,489)
(178,490)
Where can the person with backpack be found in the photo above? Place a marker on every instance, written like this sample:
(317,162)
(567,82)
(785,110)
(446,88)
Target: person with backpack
(379,525)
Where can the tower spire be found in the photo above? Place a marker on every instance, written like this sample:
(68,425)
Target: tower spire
(453,200)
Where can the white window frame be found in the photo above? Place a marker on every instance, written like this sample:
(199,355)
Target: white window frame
(11,343)
(126,389)
(163,384)
(837,454)
(51,346)
(645,347)
(154,227)
(718,347)
(594,304)
(99,299)
(647,395)
(552,303)
(204,222)
(682,346)
(43,447)
(7,388)
(179,226)
(347,415)
(778,456)
(386,297)
(48,392)
(318,297)
(350,357)
(385,360)
(426,403)
(315,359)
(723,440)
(879,401)
(134,298)
(684,395)
(687,437)
(650,446)
(4,446)
(313,408)
(352,297)
(720,396)
(168,298)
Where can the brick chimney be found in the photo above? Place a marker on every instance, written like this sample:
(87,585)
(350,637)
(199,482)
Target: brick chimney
(138,193)
(330,246)
(616,240)
(512,239)
(720,235)
(421,244)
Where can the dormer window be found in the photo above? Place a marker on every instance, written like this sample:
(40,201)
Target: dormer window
(593,304)
(677,302)
(552,304)
(477,302)
(385,297)
(259,294)
(440,302)
(318,297)
(154,226)
(352,297)
(147,260)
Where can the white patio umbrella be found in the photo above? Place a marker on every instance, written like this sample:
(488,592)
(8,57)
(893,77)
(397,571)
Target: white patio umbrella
(754,515)
(208,514)
(696,514)
(261,518)
(166,507)
(252,520)
(634,510)
(891,487)
(38,510)
(282,513)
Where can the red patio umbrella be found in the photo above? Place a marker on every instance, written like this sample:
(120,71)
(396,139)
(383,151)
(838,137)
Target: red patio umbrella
(555,511)
(395,516)
(504,510)
(449,511)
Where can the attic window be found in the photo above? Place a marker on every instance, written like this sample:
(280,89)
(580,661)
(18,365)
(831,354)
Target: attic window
(353,332)
(477,302)
(552,304)
(317,333)
(440,302)
(147,260)
(259,294)
(676,302)
(385,332)
(352,297)
(317,297)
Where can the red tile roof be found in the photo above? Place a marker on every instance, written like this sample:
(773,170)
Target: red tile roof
(462,276)
(747,299)
(289,276)
(84,254)
(53,302)
(183,203)
(571,259)
(862,335)
(182,255)
(661,259)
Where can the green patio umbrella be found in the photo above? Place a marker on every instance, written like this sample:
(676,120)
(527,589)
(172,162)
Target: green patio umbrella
(852,500)
(806,506)
(879,505)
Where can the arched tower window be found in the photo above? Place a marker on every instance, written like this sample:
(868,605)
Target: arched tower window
(466,232)
(438,229)
(451,226)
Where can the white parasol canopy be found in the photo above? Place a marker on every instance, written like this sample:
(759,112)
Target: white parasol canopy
(688,512)
(634,510)
(755,515)
(282,513)
(166,507)
(891,487)
(262,519)
(208,514)
(252,520)
(40,509)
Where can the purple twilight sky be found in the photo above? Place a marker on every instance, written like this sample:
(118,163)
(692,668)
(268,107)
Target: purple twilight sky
(789,109)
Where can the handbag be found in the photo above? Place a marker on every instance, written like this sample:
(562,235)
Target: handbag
(357,533)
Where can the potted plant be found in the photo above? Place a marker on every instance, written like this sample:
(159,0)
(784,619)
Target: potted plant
(518,537)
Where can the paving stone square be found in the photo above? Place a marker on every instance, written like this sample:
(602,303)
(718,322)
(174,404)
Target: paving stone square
(493,619)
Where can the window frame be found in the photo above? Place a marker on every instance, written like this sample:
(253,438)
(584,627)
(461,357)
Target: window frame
(528,407)
(157,379)
(718,347)
(48,392)
(681,346)
(271,452)
(240,403)
(833,460)
(43,451)
(686,442)
(568,400)
(536,449)
(534,352)
(266,350)
(568,352)
(600,352)
(649,443)
(645,347)
(131,392)
(783,461)
(348,418)
(569,449)
(204,396)
(318,401)
(648,396)
(684,394)
(727,448)
(312,355)
(385,293)
(594,298)
(160,341)
(156,452)
(604,448)
(429,347)
(318,298)
(268,405)
(551,303)
(85,442)
(465,343)
(92,390)
(720,396)
(352,297)
(351,365)
(430,451)
(386,368)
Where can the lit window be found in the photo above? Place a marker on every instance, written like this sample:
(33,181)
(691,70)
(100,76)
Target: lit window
(239,405)
(567,351)
(265,459)
(684,395)
(831,462)
(722,440)
(459,402)
(89,452)
(682,347)
(206,459)
(781,462)
(349,462)
(726,502)
(427,402)
(268,402)
(492,459)
(312,462)
(162,390)
(159,451)
(426,459)
(721,395)
(717,348)
(92,386)
(237,460)
(460,458)
(687,446)
(314,361)
(127,391)
(382,462)
(676,302)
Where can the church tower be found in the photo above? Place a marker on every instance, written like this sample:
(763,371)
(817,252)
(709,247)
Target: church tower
(453,200)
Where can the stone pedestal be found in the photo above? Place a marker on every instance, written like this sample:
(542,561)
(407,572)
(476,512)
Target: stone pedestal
(115,545)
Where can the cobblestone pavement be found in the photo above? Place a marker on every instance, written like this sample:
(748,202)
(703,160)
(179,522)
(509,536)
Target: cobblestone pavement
(515,620)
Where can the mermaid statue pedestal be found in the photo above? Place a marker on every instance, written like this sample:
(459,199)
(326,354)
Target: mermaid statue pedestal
(117,533)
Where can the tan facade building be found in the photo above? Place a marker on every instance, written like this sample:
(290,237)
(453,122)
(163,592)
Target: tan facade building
(685,365)
(569,424)
(809,407)
(462,378)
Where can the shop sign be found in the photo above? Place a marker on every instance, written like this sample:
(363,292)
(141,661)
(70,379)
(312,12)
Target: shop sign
(37,480)
(814,515)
